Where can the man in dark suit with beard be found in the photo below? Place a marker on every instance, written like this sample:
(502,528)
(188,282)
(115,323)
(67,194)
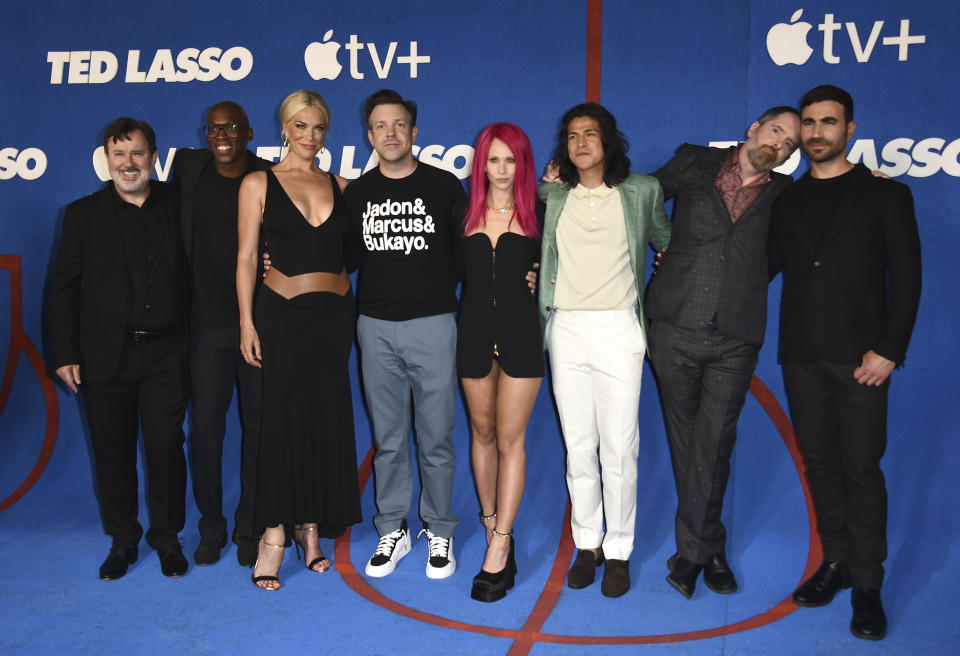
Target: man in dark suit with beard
(707,307)
(118,317)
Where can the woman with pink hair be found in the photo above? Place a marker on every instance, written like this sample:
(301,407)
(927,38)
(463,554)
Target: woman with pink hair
(499,348)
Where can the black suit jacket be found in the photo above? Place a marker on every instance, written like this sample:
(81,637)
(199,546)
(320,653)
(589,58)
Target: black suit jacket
(91,287)
(713,268)
(860,290)
(188,164)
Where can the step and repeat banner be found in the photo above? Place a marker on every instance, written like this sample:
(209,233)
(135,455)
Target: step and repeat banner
(672,72)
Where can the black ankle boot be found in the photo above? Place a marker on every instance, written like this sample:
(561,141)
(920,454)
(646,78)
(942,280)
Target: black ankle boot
(869,621)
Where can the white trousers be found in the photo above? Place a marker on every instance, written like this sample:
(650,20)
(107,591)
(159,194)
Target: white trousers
(596,360)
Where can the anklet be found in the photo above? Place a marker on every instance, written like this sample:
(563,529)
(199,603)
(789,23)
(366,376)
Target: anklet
(502,535)
(486,518)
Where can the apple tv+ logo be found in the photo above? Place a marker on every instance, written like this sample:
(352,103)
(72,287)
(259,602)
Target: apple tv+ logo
(787,42)
(322,63)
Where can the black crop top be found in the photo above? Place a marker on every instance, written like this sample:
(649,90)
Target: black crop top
(294,245)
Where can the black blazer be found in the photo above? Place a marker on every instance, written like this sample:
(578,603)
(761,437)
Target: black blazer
(861,289)
(713,268)
(188,164)
(91,288)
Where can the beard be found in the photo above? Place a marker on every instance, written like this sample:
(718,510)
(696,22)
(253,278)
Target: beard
(130,186)
(762,158)
(832,150)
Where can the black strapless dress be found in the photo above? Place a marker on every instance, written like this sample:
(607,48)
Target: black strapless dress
(498,314)
(307,469)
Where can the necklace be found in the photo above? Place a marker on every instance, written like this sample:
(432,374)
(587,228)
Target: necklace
(501,210)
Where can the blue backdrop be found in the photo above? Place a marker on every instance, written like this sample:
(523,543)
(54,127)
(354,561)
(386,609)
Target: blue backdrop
(672,72)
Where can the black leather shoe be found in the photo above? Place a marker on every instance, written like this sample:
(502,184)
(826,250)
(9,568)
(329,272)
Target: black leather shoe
(616,578)
(246,549)
(869,621)
(172,561)
(826,582)
(121,556)
(208,552)
(718,576)
(683,575)
(584,569)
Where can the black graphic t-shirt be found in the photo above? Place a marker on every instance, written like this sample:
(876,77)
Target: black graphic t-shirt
(407,228)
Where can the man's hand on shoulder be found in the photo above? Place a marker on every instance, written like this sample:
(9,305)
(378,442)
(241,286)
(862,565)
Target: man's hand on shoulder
(874,369)
(70,374)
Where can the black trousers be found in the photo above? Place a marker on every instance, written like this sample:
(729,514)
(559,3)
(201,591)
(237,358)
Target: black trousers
(216,367)
(841,429)
(150,386)
(703,378)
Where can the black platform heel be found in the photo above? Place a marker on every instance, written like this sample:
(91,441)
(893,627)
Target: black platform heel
(493,586)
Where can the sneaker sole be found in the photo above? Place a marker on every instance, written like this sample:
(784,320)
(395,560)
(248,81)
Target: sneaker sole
(441,572)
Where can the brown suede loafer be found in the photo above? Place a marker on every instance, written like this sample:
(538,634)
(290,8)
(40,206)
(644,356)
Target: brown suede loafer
(616,578)
(584,569)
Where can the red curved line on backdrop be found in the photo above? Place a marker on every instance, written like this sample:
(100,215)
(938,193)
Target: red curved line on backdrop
(529,634)
(594,48)
(12,262)
(20,342)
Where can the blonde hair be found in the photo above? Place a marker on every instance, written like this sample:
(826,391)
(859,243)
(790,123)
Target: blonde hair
(300,100)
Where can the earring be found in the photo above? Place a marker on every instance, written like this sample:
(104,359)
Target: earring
(284,144)
(322,149)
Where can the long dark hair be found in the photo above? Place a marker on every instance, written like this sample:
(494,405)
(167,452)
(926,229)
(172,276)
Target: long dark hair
(616,163)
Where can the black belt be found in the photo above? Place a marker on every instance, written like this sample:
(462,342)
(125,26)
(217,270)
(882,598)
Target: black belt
(144,335)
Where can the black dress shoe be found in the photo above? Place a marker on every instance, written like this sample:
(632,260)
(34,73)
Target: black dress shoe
(120,557)
(246,549)
(172,561)
(616,578)
(208,552)
(683,575)
(718,576)
(869,621)
(826,582)
(584,569)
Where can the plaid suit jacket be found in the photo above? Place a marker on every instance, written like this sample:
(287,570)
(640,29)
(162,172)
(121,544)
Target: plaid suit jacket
(714,269)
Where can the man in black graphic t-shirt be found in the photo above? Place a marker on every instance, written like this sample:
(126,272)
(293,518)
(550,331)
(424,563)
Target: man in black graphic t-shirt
(405,214)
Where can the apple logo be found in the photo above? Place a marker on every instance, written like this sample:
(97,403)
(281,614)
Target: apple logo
(321,58)
(787,43)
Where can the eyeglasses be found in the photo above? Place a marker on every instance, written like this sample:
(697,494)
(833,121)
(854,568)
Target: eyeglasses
(231,130)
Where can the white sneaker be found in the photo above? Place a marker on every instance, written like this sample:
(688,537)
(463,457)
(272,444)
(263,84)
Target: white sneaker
(441,562)
(392,547)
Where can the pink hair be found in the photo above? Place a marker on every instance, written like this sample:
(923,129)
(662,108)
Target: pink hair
(524,182)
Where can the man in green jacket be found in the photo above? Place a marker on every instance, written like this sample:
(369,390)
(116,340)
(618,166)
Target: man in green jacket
(596,230)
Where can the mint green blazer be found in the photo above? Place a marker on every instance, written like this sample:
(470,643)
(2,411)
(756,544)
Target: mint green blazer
(646,220)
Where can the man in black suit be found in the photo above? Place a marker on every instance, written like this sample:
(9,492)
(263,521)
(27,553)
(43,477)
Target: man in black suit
(707,306)
(848,246)
(208,181)
(118,316)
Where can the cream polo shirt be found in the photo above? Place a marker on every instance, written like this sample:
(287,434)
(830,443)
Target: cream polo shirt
(593,268)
